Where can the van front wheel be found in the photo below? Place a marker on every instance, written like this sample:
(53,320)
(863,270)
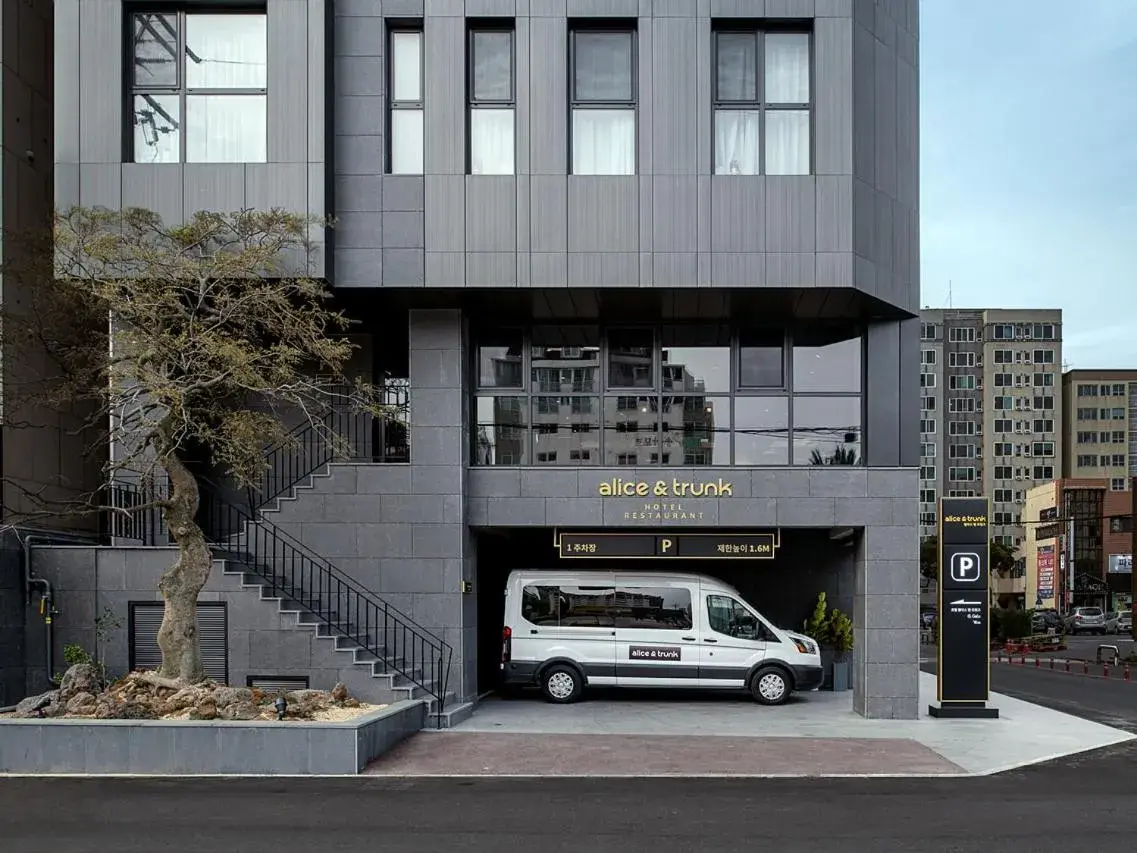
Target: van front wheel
(770,686)
(561,684)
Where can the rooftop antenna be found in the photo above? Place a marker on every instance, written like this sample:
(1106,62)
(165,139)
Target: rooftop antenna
(950,305)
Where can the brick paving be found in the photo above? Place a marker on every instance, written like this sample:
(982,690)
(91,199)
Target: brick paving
(500,754)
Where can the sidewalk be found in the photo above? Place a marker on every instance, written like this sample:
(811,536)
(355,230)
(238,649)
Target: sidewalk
(815,735)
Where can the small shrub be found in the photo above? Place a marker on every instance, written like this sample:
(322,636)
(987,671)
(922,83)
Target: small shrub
(74,654)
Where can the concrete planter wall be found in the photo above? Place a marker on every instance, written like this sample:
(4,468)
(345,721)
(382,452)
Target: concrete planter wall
(174,747)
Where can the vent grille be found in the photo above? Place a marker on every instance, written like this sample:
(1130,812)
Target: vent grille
(212,634)
(277,683)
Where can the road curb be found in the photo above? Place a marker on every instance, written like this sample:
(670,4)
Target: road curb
(1070,666)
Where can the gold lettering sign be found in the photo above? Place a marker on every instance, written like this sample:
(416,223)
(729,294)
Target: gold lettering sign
(620,488)
(966,520)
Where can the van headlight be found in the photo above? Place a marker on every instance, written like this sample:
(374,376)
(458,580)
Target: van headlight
(805,646)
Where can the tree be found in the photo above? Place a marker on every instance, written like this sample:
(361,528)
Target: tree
(199,336)
(1002,557)
(840,456)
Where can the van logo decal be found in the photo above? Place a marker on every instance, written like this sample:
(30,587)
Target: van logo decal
(654,653)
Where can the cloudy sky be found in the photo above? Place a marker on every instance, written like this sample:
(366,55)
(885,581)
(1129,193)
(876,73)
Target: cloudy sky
(1029,164)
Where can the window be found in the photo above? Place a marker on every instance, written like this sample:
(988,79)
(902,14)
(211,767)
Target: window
(1116,414)
(603,96)
(569,606)
(1003,332)
(928,356)
(1044,380)
(1003,380)
(1003,425)
(928,450)
(961,451)
(961,474)
(1002,518)
(491,94)
(929,332)
(961,359)
(405,126)
(960,335)
(761,358)
(1118,389)
(1002,496)
(961,383)
(927,472)
(1003,448)
(1043,403)
(1004,403)
(1043,425)
(1043,356)
(961,405)
(1042,448)
(1117,437)
(927,404)
(927,426)
(928,380)
(1087,390)
(927,496)
(1104,390)
(927,518)
(1003,356)
(1003,472)
(1117,460)
(198,84)
(761,93)
(730,618)
(1044,472)
(1118,484)
(656,608)
(1086,414)
(961,428)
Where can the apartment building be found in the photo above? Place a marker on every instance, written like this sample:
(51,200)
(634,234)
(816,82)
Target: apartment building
(636,266)
(1099,425)
(991,410)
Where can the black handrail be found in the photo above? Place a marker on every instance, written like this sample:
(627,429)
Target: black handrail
(319,588)
(122,518)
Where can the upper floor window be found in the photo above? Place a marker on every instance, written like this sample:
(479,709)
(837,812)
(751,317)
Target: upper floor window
(491,93)
(762,100)
(198,87)
(603,95)
(405,125)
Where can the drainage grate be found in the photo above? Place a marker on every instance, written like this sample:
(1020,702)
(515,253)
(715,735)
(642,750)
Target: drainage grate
(277,683)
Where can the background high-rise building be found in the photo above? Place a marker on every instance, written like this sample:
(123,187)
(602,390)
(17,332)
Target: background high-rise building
(1099,425)
(991,410)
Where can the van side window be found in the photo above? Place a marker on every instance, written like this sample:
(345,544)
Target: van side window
(727,616)
(568,606)
(659,608)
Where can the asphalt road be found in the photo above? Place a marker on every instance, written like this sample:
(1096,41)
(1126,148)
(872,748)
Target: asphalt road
(1029,811)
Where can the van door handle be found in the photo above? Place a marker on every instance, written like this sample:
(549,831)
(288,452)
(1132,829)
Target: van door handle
(532,630)
(709,640)
(688,639)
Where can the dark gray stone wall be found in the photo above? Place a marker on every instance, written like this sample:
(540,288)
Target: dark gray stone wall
(13,656)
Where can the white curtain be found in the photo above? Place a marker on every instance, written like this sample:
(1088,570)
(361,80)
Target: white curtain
(603,142)
(787,68)
(406,54)
(226,129)
(406,142)
(787,142)
(491,142)
(226,52)
(737,142)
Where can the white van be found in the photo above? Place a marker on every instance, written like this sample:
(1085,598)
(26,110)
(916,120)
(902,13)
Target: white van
(568,630)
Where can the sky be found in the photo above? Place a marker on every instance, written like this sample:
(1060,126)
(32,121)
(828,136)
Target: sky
(1028,188)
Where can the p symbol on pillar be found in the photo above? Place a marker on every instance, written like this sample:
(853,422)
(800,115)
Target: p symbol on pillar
(965,568)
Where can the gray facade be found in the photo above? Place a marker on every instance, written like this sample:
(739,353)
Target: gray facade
(446,254)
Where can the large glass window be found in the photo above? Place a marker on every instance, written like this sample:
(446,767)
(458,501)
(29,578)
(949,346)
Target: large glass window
(198,87)
(827,359)
(654,608)
(603,95)
(729,617)
(762,102)
(669,395)
(491,93)
(406,101)
(568,606)
(827,431)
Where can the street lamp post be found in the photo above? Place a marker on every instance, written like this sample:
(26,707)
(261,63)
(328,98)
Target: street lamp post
(1133,551)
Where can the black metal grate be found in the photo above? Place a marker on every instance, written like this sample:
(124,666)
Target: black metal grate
(277,683)
(212,633)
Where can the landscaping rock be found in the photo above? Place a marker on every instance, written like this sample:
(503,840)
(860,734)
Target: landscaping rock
(226,696)
(81,678)
(207,710)
(339,693)
(28,707)
(81,704)
(303,703)
(239,711)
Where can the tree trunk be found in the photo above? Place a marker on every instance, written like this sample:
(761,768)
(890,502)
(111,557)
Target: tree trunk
(182,582)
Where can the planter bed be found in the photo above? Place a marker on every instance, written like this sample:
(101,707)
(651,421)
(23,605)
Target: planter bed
(205,747)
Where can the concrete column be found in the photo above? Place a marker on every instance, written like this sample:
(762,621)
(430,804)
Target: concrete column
(886,611)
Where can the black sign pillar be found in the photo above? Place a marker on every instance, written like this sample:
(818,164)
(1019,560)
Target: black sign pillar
(964,612)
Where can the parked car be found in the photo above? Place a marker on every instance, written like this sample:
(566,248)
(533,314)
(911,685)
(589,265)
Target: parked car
(1085,620)
(1046,621)
(566,631)
(1119,622)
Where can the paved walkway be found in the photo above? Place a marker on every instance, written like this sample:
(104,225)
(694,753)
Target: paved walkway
(815,734)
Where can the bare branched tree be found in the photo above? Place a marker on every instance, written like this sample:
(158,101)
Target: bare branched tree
(209,335)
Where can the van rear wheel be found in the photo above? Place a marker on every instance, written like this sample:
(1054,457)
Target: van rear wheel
(770,686)
(562,684)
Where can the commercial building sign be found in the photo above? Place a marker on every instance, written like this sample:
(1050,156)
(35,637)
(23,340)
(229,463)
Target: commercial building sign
(964,642)
(689,546)
(618,487)
(1046,572)
(1121,564)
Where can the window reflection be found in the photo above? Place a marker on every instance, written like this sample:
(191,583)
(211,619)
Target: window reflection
(696,359)
(565,360)
(226,128)
(761,432)
(694,431)
(155,50)
(761,358)
(631,430)
(827,431)
(157,129)
(566,430)
(630,358)
(827,359)
(501,434)
(226,51)
(499,361)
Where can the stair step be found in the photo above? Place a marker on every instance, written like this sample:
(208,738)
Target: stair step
(452,716)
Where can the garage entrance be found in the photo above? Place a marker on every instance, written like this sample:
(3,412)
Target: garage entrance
(784,589)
